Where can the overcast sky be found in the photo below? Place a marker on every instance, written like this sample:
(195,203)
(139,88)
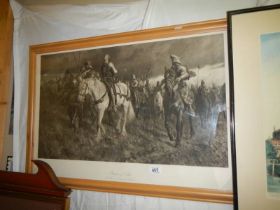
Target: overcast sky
(270,77)
(139,58)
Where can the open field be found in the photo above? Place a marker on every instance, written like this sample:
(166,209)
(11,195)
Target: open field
(146,142)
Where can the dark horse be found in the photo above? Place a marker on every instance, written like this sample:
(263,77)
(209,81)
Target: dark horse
(178,104)
(203,107)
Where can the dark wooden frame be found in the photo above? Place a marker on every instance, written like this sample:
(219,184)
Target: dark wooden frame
(32,191)
(230,15)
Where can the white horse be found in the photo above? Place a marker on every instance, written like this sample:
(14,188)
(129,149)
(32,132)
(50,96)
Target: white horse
(97,91)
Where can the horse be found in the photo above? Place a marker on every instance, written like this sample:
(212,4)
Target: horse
(99,98)
(158,104)
(179,103)
(203,107)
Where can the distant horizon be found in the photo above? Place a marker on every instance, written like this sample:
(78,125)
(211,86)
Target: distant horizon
(141,58)
(204,72)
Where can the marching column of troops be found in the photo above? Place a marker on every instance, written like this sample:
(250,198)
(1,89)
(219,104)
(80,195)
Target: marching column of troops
(175,79)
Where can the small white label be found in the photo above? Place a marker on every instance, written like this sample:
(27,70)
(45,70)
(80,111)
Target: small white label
(155,170)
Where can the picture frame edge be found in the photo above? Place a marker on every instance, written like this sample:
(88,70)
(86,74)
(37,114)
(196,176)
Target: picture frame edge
(185,193)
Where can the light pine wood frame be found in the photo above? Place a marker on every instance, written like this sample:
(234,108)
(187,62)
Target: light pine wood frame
(122,187)
(6,43)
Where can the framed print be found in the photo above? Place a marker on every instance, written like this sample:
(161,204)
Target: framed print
(254,57)
(142,112)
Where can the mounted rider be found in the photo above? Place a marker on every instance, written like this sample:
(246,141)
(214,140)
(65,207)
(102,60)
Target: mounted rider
(175,79)
(175,74)
(86,73)
(109,75)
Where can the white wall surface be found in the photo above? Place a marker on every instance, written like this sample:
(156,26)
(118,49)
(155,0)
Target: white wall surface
(37,23)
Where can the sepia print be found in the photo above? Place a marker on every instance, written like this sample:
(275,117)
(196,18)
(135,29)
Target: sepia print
(159,102)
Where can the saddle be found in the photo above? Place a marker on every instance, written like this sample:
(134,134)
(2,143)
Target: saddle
(114,90)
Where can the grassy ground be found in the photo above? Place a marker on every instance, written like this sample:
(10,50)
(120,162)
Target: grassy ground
(147,140)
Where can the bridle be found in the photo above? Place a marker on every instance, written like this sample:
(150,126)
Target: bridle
(85,92)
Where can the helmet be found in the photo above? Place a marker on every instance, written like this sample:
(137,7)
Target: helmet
(107,57)
(175,59)
(88,63)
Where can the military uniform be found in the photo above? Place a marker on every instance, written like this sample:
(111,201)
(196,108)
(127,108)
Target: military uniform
(172,76)
(109,77)
(134,87)
(108,73)
(202,90)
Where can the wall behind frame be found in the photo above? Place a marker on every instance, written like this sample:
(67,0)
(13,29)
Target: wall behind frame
(51,25)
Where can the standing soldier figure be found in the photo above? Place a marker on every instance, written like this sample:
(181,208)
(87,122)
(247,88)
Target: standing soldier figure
(109,77)
(147,89)
(134,87)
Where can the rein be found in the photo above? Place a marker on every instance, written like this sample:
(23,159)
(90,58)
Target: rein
(101,99)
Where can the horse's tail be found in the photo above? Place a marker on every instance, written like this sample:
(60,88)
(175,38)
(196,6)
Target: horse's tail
(130,112)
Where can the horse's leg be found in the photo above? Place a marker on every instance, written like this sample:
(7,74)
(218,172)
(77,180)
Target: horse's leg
(182,126)
(161,115)
(119,119)
(118,126)
(213,124)
(179,127)
(79,113)
(124,119)
(100,115)
(203,118)
(76,121)
(191,127)
(167,119)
